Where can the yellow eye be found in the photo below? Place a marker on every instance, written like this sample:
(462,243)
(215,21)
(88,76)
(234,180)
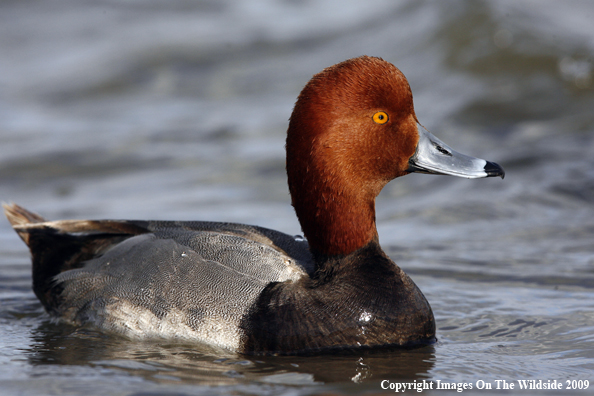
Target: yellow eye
(381,117)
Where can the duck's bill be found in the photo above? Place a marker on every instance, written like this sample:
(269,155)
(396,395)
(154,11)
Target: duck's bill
(435,157)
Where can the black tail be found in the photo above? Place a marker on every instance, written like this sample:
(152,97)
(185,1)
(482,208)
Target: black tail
(59,246)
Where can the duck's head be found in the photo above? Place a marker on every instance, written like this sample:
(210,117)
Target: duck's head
(353,129)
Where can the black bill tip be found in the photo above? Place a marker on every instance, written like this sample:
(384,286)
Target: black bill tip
(492,169)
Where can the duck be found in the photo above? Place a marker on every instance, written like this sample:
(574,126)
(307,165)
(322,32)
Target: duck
(254,290)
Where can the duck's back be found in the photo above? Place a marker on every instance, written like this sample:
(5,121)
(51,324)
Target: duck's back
(192,280)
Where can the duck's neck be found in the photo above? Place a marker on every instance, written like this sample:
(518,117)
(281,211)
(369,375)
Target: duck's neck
(335,219)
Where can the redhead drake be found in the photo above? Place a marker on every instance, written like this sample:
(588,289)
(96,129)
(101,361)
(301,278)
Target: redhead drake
(254,290)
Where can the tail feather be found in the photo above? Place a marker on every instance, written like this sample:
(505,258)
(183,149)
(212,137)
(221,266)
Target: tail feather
(18,215)
(58,246)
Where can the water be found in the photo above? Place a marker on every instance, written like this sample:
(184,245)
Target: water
(177,110)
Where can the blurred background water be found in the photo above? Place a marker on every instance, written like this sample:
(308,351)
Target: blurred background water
(178,110)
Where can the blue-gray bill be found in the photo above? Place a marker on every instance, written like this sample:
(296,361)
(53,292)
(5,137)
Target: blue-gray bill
(435,157)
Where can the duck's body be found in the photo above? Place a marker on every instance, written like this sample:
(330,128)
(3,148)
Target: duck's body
(186,280)
(255,290)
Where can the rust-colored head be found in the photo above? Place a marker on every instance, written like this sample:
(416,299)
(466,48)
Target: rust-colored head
(353,129)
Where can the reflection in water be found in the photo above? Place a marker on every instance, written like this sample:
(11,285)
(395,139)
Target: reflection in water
(162,361)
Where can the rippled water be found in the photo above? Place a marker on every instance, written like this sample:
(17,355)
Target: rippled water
(178,109)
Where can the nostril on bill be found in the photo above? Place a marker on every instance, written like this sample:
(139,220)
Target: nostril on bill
(442,150)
